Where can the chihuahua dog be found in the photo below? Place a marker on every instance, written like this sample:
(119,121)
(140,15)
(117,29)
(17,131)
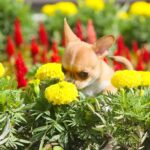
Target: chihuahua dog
(83,63)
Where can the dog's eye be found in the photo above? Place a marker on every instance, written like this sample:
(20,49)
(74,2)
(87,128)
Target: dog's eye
(64,70)
(83,75)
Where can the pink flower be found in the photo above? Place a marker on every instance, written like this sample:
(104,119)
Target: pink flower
(78,29)
(91,34)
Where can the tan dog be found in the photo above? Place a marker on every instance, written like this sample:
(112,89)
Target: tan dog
(84,66)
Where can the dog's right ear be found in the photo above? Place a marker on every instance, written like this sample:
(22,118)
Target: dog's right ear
(69,35)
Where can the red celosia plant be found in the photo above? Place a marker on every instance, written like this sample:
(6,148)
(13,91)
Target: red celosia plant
(44,56)
(78,29)
(145,55)
(10,47)
(55,53)
(135,46)
(34,50)
(17,33)
(127,53)
(140,63)
(120,45)
(118,66)
(54,47)
(43,36)
(91,34)
(55,57)
(120,51)
(21,71)
(63,41)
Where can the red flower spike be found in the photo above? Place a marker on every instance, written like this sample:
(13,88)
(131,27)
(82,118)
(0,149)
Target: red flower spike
(91,34)
(44,56)
(54,47)
(17,33)
(20,63)
(55,57)
(10,48)
(117,52)
(43,36)
(21,71)
(63,41)
(34,50)
(146,55)
(22,82)
(118,66)
(135,46)
(120,44)
(78,30)
(127,53)
(140,64)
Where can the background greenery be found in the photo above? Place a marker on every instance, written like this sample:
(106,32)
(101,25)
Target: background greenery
(9,11)
(90,123)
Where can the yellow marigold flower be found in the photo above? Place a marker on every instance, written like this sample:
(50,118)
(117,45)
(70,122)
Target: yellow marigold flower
(50,71)
(126,78)
(61,93)
(2,70)
(122,15)
(49,9)
(95,4)
(140,8)
(145,78)
(67,8)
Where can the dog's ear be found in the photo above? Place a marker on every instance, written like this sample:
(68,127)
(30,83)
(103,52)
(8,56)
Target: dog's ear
(103,44)
(69,35)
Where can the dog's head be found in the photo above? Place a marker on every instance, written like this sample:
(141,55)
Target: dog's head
(81,61)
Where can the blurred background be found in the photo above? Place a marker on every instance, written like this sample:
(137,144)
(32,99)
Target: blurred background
(35,28)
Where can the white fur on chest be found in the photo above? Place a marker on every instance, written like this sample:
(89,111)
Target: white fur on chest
(96,88)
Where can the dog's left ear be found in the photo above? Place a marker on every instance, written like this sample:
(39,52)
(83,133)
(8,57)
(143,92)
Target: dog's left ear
(103,44)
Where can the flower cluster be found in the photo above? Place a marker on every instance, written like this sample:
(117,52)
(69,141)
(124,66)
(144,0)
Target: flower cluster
(130,78)
(61,93)
(145,78)
(50,71)
(95,5)
(2,70)
(67,8)
(140,8)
